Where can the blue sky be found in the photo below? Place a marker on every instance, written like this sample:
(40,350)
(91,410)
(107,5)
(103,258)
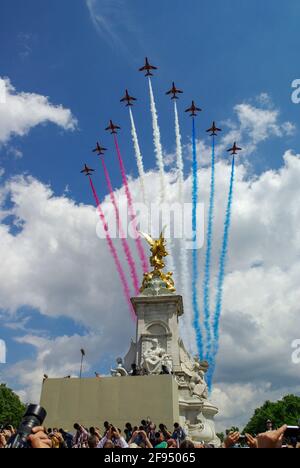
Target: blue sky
(222,54)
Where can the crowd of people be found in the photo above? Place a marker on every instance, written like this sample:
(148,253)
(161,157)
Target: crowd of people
(146,436)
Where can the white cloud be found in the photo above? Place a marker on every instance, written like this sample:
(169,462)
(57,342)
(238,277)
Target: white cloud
(20,112)
(253,124)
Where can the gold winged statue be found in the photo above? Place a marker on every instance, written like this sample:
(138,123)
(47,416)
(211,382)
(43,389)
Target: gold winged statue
(159,253)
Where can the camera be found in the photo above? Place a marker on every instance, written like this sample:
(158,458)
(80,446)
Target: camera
(292,432)
(34,416)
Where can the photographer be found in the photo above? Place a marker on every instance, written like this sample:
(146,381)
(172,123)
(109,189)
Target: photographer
(140,439)
(113,439)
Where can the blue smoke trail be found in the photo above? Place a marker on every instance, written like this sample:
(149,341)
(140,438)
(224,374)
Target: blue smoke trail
(221,277)
(196,322)
(209,237)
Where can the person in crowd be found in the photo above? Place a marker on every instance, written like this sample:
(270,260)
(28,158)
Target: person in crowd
(151,432)
(179,435)
(81,437)
(172,444)
(128,431)
(113,437)
(160,441)
(68,438)
(140,439)
(164,431)
(187,444)
(93,442)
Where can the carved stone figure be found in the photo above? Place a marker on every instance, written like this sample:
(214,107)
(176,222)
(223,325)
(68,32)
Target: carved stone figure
(120,371)
(155,358)
(194,374)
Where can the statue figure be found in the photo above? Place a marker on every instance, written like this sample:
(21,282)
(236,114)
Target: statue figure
(159,252)
(155,358)
(198,386)
(194,374)
(120,371)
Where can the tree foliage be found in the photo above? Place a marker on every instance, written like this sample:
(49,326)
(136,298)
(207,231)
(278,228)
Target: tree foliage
(285,411)
(11,408)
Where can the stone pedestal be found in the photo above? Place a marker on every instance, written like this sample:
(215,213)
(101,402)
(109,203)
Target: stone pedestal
(157,338)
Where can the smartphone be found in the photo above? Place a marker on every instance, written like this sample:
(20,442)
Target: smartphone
(292,432)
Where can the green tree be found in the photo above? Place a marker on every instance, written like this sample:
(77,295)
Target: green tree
(285,411)
(11,408)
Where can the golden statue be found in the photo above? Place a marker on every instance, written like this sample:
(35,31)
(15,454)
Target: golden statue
(159,253)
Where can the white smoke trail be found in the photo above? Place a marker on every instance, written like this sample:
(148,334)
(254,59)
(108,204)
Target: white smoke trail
(180,166)
(139,157)
(157,144)
(188,330)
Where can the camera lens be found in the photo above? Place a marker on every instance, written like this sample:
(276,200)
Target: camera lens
(37,412)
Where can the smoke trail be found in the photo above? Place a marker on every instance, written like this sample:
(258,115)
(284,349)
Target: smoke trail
(132,213)
(209,237)
(113,252)
(196,322)
(180,165)
(139,157)
(124,241)
(184,268)
(157,143)
(221,277)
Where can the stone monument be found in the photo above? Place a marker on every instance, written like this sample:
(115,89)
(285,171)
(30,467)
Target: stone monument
(158,348)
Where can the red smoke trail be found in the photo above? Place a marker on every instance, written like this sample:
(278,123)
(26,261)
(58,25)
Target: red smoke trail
(125,244)
(113,252)
(132,213)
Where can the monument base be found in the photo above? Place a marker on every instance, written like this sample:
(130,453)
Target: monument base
(91,402)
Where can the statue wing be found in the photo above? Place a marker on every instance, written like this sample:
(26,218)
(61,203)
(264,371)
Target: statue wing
(148,238)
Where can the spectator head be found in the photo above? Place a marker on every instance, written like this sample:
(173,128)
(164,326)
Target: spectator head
(109,445)
(106,425)
(269,425)
(49,430)
(172,444)
(76,427)
(162,427)
(141,428)
(159,438)
(187,444)
(92,431)
(128,426)
(143,423)
(152,427)
(176,426)
(134,446)
(93,442)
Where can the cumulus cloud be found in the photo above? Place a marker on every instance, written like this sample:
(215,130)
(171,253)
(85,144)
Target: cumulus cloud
(20,112)
(253,123)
